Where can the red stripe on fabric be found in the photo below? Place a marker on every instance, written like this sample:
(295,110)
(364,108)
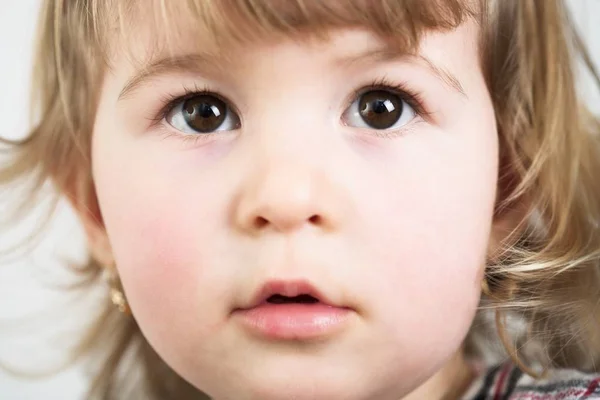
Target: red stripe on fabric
(592,387)
(563,395)
(500,383)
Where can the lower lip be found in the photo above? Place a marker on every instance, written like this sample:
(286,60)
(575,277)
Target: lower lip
(294,321)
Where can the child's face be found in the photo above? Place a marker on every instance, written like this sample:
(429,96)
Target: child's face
(387,214)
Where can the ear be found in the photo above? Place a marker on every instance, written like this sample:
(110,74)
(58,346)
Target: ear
(82,196)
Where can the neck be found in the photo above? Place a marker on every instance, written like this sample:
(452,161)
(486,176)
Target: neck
(449,383)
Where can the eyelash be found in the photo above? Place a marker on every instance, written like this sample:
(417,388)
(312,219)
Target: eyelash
(171,101)
(412,98)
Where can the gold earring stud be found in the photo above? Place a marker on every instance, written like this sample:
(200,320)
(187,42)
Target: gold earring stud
(117,295)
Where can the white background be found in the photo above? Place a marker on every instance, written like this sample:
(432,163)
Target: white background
(31,344)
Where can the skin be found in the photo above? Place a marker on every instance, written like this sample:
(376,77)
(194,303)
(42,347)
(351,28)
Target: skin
(395,226)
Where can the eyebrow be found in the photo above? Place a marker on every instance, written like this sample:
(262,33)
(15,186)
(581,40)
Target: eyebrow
(390,54)
(196,61)
(184,63)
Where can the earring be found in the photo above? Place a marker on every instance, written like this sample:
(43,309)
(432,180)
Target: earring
(117,295)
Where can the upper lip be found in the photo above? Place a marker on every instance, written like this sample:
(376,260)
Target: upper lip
(288,288)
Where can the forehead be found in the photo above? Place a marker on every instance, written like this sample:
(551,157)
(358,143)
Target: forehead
(148,29)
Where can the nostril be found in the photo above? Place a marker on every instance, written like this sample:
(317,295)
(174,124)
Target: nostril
(316,219)
(260,222)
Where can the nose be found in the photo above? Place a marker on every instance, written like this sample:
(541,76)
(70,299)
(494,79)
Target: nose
(286,196)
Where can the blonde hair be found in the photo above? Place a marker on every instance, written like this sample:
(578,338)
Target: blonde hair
(547,273)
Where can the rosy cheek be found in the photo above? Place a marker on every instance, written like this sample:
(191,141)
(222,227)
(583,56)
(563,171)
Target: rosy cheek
(156,241)
(431,236)
(153,258)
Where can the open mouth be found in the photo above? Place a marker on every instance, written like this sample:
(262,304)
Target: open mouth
(295,292)
(300,299)
(292,310)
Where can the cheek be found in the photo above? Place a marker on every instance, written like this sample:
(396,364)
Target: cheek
(161,216)
(427,235)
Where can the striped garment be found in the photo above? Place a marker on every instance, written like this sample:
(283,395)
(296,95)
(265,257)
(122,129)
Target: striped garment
(507,382)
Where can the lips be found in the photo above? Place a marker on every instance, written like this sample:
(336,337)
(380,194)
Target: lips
(291,310)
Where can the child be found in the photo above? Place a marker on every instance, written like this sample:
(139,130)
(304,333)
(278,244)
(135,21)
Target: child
(306,199)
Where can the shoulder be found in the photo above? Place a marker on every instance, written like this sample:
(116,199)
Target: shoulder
(507,382)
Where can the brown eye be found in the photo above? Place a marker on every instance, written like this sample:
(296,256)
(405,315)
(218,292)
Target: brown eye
(380,110)
(203,113)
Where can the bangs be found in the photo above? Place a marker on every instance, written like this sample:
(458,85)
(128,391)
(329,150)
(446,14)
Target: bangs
(215,25)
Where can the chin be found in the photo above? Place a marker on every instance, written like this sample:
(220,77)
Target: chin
(317,383)
(296,388)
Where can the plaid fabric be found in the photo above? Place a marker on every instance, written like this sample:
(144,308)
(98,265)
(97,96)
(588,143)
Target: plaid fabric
(507,382)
